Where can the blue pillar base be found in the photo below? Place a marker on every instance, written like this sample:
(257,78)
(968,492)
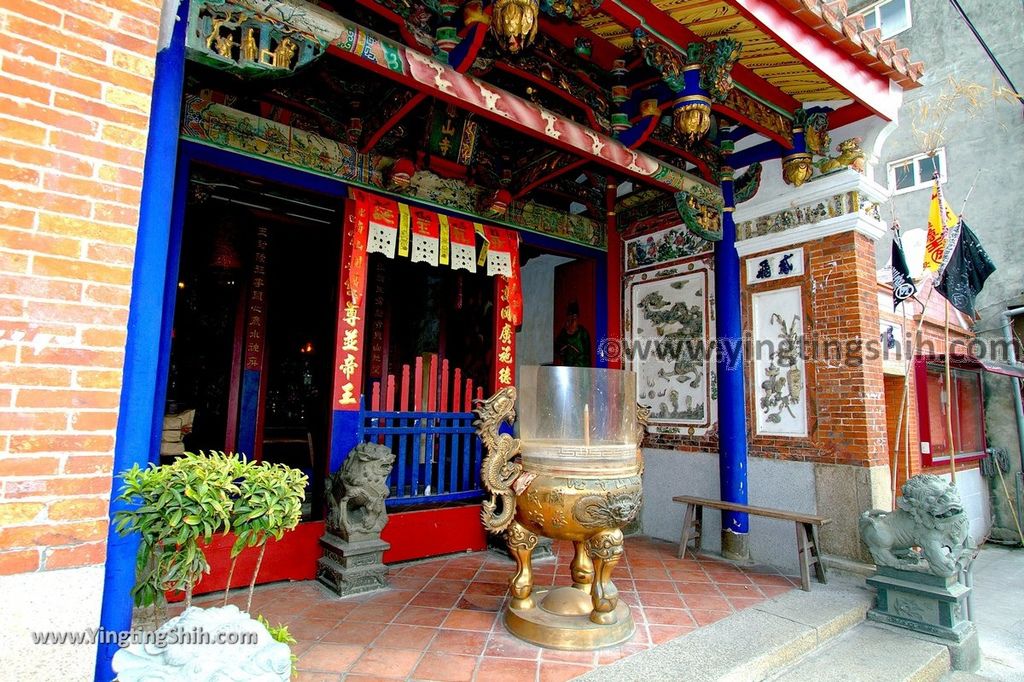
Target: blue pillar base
(735,546)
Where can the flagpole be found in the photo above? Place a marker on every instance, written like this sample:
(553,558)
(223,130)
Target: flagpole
(905,401)
(949,403)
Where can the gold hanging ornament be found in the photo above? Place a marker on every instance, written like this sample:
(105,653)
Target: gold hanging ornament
(514,23)
(692,115)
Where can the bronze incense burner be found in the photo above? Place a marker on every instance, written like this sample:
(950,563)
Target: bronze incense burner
(573,475)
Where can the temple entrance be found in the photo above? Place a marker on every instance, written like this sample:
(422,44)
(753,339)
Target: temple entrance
(253,331)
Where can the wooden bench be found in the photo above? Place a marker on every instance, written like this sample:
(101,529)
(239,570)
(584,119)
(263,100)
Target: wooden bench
(806,531)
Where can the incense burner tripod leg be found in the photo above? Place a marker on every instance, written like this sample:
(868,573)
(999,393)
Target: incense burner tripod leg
(582,568)
(520,545)
(605,549)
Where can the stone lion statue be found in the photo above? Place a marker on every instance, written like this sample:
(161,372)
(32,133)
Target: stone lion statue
(356,492)
(929,517)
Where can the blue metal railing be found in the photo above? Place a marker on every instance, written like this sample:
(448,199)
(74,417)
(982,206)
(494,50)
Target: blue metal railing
(437,454)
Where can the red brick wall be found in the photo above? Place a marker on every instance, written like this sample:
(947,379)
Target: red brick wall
(75,84)
(845,400)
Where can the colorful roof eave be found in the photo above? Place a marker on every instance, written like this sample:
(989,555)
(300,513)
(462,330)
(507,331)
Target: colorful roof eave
(353,43)
(823,37)
(816,33)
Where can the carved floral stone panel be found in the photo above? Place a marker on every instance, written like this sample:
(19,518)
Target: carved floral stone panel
(670,322)
(780,393)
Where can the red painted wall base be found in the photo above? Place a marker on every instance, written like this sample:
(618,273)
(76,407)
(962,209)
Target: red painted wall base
(432,532)
(412,535)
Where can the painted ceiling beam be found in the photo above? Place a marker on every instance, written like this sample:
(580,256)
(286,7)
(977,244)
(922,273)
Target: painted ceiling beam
(632,14)
(816,51)
(354,43)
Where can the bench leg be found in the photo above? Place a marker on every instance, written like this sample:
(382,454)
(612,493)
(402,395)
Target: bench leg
(803,556)
(819,567)
(693,520)
(684,539)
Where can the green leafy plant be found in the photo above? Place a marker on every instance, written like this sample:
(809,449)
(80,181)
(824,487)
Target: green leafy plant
(176,505)
(269,503)
(280,634)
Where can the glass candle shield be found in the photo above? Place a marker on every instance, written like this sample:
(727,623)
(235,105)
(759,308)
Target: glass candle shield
(577,406)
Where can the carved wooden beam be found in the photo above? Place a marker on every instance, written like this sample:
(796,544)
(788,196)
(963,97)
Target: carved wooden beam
(375,53)
(389,115)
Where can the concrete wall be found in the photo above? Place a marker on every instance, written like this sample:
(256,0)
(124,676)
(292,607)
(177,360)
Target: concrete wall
(983,139)
(773,483)
(535,340)
(49,601)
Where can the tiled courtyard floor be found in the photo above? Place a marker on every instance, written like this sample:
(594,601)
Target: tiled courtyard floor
(440,619)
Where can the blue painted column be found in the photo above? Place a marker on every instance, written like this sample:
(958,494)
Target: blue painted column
(732,424)
(139,400)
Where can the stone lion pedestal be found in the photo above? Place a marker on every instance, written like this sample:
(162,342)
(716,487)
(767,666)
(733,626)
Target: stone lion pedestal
(353,559)
(921,549)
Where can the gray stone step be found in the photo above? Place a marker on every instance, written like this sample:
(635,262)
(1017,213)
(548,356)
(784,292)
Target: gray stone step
(871,653)
(750,645)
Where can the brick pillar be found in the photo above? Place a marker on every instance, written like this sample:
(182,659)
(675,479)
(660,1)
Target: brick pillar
(74,113)
(852,470)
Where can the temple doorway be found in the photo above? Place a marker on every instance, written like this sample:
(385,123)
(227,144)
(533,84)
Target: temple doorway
(252,340)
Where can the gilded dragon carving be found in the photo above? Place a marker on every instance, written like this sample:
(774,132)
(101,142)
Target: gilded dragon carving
(499,471)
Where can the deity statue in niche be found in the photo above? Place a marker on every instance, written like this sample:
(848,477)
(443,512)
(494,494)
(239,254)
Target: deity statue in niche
(573,342)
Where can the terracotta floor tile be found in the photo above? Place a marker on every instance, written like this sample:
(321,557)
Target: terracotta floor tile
(405,637)
(459,572)
(408,582)
(707,617)
(697,588)
(311,628)
(368,678)
(387,662)
(445,667)
(504,645)
(373,613)
(327,657)
(439,600)
(492,576)
(427,569)
(466,642)
(655,585)
(393,596)
(481,621)
(663,633)
(746,591)
(577,657)
(480,602)
(649,573)
(505,670)
(707,601)
(740,603)
(493,589)
(446,585)
(612,654)
(421,615)
(661,599)
(560,672)
(308,676)
(658,616)
(354,633)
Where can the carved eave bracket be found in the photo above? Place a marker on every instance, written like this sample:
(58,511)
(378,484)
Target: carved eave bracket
(239,40)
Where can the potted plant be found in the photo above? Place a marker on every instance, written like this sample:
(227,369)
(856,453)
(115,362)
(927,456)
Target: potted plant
(176,505)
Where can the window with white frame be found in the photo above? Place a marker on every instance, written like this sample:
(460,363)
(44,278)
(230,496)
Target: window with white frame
(916,172)
(892,16)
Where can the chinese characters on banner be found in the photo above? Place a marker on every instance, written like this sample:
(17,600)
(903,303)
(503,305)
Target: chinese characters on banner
(377,224)
(504,336)
(256,317)
(348,354)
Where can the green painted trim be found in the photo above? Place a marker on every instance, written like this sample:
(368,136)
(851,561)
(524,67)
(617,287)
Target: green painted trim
(447,210)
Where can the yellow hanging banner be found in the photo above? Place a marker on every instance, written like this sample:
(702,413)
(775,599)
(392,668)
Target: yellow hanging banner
(483,249)
(403,229)
(442,257)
